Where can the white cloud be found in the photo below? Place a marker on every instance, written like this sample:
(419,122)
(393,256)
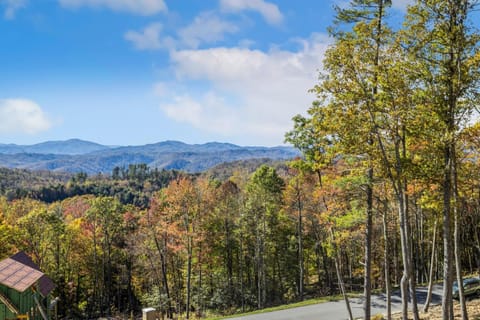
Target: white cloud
(147,39)
(402,4)
(11,7)
(252,95)
(141,7)
(207,113)
(205,28)
(160,89)
(22,116)
(269,11)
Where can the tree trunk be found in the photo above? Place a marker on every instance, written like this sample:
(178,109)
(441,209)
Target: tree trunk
(95,262)
(456,236)
(229,262)
(189,275)
(259,257)
(264,271)
(326,266)
(339,276)
(367,287)
(240,273)
(300,251)
(411,276)
(432,264)
(386,261)
(200,283)
(405,255)
(163,263)
(447,303)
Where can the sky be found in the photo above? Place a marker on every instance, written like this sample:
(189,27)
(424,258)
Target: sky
(133,72)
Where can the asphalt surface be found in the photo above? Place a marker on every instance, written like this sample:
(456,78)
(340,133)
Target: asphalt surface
(337,310)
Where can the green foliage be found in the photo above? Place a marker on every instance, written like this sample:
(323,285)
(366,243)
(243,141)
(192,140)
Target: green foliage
(133,185)
(359,10)
(229,239)
(154,299)
(266,180)
(353,218)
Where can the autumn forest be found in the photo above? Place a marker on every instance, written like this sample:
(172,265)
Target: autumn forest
(386,194)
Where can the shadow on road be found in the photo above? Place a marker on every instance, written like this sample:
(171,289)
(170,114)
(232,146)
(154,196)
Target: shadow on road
(379,301)
(422,297)
(335,310)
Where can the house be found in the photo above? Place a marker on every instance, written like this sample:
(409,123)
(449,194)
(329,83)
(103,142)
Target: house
(24,289)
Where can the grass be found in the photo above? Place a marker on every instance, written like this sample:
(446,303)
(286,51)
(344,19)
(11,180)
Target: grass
(281,307)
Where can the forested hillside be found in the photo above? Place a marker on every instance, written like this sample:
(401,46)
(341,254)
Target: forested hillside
(242,243)
(130,185)
(77,156)
(97,236)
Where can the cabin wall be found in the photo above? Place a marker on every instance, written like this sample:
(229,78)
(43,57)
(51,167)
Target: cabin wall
(22,300)
(5,313)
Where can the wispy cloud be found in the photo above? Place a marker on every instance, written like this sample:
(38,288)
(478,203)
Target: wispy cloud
(147,39)
(402,4)
(207,112)
(207,27)
(269,11)
(141,7)
(22,116)
(12,6)
(250,93)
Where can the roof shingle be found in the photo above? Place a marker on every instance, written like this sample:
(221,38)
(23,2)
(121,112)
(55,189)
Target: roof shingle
(45,284)
(17,275)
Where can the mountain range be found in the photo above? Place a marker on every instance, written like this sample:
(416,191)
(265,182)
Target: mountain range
(76,155)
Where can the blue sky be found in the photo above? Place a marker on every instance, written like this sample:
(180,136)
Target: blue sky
(131,72)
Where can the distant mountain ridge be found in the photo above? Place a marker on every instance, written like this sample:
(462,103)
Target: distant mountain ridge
(71,147)
(76,155)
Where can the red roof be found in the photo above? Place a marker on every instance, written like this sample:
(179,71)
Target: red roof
(20,273)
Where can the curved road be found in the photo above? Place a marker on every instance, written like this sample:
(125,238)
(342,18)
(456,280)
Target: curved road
(337,311)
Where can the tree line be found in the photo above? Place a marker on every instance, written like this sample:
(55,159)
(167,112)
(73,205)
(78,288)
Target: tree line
(201,245)
(398,106)
(206,246)
(133,184)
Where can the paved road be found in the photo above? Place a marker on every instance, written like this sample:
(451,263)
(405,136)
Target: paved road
(337,310)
